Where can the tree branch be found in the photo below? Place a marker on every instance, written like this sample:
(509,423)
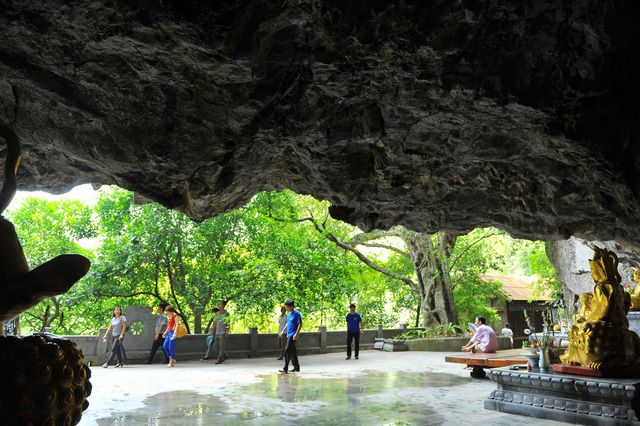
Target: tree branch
(364,259)
(126,296)
(382,246)
(460,255)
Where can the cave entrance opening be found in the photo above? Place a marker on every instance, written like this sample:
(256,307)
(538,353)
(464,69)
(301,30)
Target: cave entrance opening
(279,245)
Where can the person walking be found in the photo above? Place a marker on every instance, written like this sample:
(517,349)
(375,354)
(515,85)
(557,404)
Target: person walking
(294,324)
(354,330)
(222,331)
(282,338)
(169,345)
(117,326)
(506,331)
(212,336)
(123,351)
(158,339)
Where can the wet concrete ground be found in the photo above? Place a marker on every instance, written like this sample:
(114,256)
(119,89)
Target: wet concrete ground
(381,388)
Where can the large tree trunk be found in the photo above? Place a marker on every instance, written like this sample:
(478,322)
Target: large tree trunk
(197,322)
(434,282)
(430,263)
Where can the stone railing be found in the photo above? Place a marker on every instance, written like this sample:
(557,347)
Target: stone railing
(138,341)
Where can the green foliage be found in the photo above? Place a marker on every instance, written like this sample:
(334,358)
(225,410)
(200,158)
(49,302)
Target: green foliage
(442,330)
(303,265)
(447,330)
(475,254)
(47,229)
(382,299)
(530,258)
(255,257)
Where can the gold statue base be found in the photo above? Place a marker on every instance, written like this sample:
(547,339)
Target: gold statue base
(614,372)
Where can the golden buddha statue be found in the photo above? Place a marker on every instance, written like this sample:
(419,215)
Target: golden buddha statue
(635,294)
(601,338)
(585,301)
(21,287)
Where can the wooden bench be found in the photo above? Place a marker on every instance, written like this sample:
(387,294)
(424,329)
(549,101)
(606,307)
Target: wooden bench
(480,361)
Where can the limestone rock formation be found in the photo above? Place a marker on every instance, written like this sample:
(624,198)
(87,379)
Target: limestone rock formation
(570,259)
(437,115)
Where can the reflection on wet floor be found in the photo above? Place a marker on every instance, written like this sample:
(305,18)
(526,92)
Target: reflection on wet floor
(294,399)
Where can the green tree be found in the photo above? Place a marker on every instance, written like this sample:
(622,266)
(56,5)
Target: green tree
(293,261)
(530,258)
(440,269)
(477,253)
(48,229)
(245,257)
(430,280)
(153,254)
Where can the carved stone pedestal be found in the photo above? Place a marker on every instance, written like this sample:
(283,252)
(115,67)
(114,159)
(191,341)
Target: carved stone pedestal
(634,321)
(565,397)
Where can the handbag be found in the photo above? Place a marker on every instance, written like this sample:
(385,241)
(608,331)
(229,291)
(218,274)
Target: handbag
(180,331)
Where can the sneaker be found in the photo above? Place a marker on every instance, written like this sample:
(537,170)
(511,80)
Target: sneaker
(147,362)
(356,357)
(348,357)
(204,359)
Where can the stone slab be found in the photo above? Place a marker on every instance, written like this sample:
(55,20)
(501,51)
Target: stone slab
(566,397)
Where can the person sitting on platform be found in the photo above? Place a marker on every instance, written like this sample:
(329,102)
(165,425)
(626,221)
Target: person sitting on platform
(485,339)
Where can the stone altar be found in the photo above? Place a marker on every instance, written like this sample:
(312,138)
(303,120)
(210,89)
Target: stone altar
(634,321)
(565,397)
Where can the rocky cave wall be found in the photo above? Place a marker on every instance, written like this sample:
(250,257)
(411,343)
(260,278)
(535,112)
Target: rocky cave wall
(437,115)
(570,259)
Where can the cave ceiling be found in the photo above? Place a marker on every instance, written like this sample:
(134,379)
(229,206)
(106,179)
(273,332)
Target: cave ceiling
(437,115)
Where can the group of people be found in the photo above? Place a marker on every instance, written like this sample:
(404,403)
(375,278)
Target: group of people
(290,325)
(164,337)
(118,327)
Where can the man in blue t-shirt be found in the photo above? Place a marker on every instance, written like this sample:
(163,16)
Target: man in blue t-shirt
(294,324)
(354,330)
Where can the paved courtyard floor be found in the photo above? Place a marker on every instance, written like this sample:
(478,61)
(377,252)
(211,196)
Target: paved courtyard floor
(381,388)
